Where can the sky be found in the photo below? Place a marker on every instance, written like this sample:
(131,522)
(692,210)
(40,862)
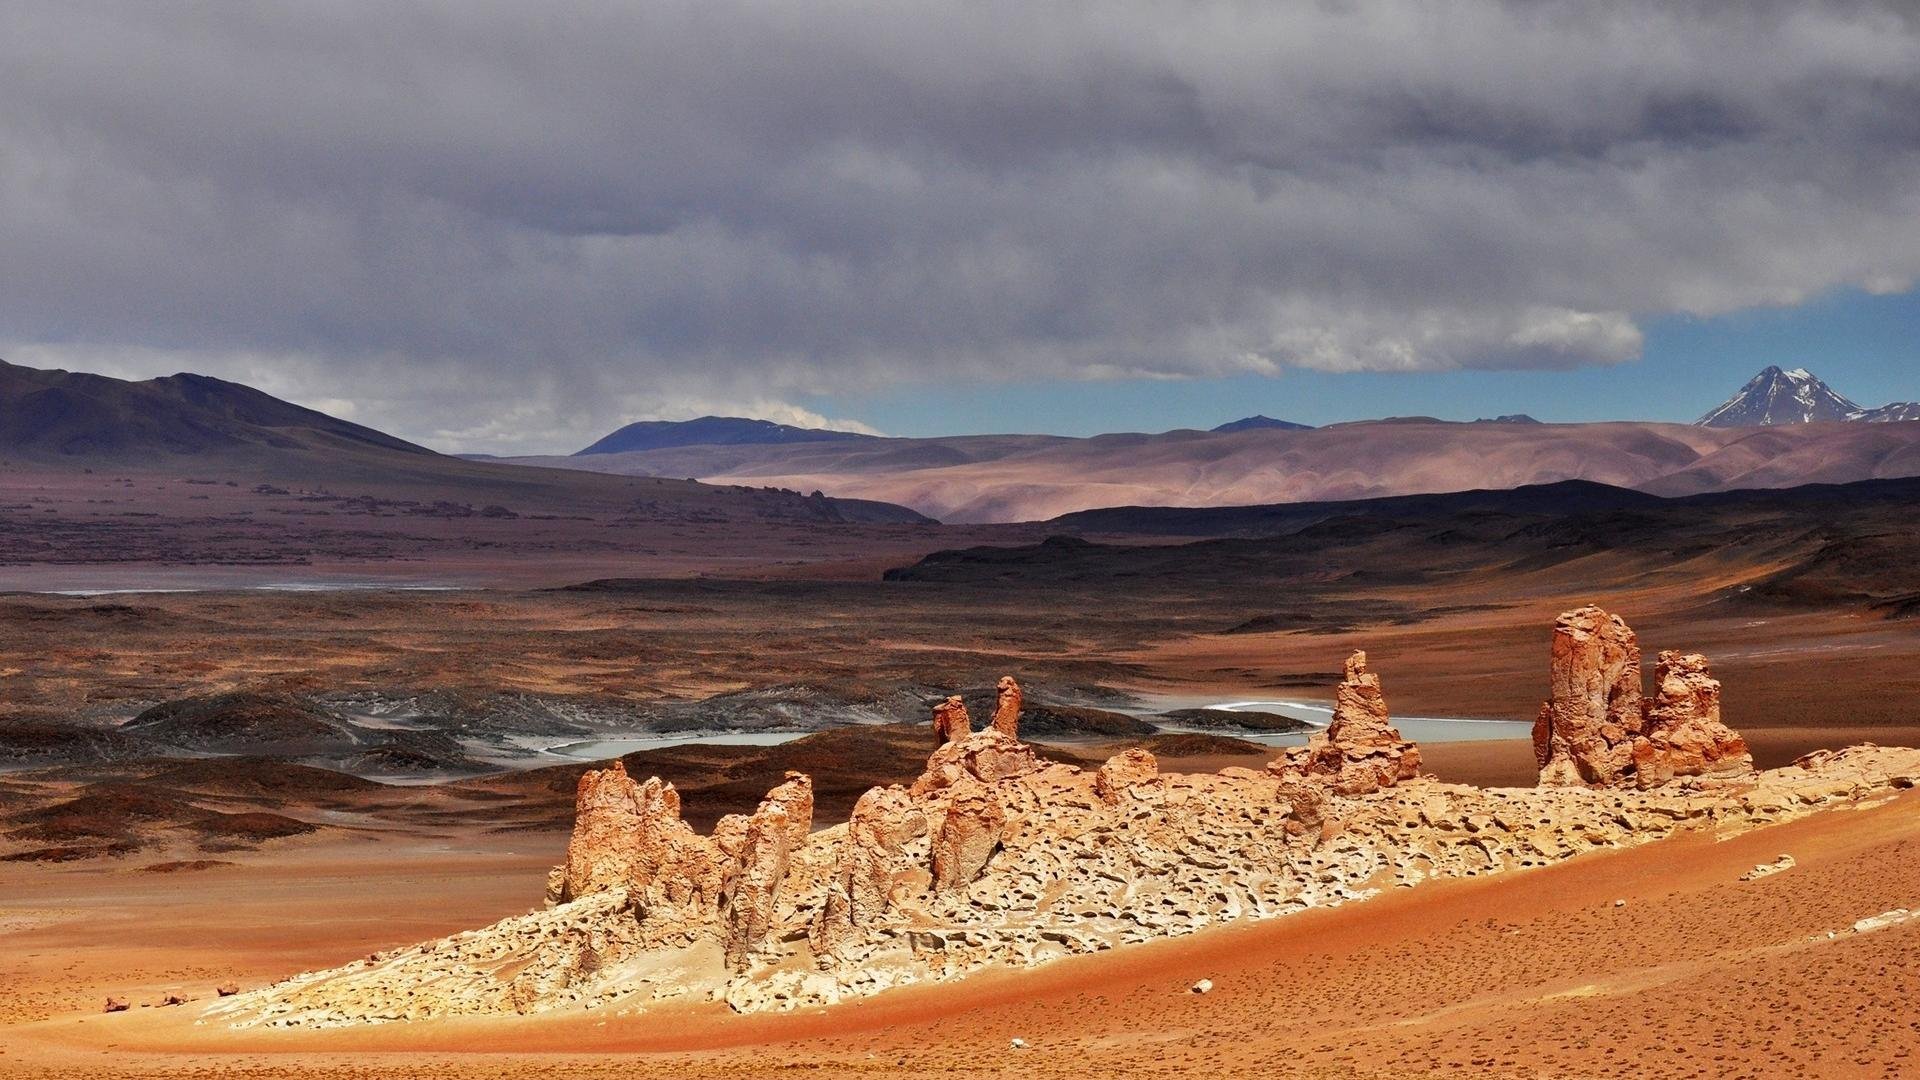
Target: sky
(509,227)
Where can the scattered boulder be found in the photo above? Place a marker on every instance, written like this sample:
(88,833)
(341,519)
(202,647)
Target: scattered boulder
(1784,862)
(1882,920)
(1585,729)
(1123,773)
(226,989)
(116,1004)
(1683,734)
(1360,751)
(950,720)
(1006,712)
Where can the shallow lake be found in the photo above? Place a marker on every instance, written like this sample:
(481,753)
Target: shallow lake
(1418,728)
(601,749)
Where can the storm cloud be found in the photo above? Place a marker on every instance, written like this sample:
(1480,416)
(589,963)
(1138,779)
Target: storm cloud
(511,226)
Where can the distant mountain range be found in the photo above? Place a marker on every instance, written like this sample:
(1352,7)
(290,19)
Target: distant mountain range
(1777,396)
(1760,439)
(711,431)
(55,423)
(1000,478)
(1764,438)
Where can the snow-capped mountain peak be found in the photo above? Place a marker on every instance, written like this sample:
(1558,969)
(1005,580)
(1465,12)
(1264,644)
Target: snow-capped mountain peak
(1782,397)
(1890,413)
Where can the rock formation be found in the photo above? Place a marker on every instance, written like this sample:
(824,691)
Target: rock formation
(1683,734)
(605,817)
(1006,711)
(985,755)
(950,721)
(1584,733)
(995,857)
(1124,773)
(1597,730)
(1360,751)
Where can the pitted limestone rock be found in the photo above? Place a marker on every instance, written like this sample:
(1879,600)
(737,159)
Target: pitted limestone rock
(1074,875)
(1125,773)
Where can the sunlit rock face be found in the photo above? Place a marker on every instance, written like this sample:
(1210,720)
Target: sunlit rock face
(1006,712)
(1683,734)
(1360,751)
(950,721)
(1597,729)
(1584,732)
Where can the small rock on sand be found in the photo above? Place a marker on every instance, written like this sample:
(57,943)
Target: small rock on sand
(1784,862)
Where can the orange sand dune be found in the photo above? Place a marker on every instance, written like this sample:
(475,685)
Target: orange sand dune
(1539,973)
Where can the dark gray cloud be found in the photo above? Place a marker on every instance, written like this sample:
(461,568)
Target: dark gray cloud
(511,225)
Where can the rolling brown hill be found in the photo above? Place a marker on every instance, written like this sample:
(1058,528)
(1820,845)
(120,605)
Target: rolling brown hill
(63,421)
(999,478)
(192,472)
(66,414)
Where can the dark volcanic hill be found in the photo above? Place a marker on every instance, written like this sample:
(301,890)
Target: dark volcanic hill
(711,431)
(1568,496)
(1251,423)
(73,414)
(1817,546)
